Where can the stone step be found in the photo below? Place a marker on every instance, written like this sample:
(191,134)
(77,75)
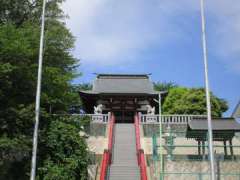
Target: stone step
(124,172)
(124,165)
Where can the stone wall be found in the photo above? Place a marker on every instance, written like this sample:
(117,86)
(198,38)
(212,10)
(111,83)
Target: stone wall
(195,170)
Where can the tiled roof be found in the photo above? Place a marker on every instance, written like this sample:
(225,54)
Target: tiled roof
(217,124)
(123,84)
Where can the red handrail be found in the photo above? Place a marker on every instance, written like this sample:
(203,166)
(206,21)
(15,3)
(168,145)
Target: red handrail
(143,167)
(137,131)
(110,141)
(107,156)
(137,134)
(140,152)
(104,165)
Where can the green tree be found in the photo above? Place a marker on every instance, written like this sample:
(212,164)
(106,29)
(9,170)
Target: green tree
(19,45)
(64,151)
(182,100)
(84,87)
(165,86)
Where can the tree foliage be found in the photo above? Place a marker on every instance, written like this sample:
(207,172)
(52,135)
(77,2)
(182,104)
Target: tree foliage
(182,100)
(84,87)
(65,152)
(165,86)
(19,46)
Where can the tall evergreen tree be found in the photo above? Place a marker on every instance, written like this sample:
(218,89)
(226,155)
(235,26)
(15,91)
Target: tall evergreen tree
(19,45)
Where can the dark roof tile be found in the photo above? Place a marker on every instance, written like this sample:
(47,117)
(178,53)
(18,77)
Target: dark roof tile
(217,124)
(123,83)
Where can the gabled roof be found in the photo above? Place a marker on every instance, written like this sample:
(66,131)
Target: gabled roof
(217,124)
(122,84)
(236,112)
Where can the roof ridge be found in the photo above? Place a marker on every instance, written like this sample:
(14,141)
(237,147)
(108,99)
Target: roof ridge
(124,75)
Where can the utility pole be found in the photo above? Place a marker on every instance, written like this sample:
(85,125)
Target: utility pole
(159,101)
(160,134)
(209,118)
(38,96)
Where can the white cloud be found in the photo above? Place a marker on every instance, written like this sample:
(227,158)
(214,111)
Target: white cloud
(111,32)
(114,32)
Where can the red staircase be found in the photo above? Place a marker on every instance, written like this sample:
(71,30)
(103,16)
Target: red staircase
(123,167)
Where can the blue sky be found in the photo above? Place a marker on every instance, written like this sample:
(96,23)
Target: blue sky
(162,37)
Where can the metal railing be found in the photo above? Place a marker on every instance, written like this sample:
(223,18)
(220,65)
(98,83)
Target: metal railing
(169,119)
(192,170)
(200,176)
(96,118)
(190,165)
